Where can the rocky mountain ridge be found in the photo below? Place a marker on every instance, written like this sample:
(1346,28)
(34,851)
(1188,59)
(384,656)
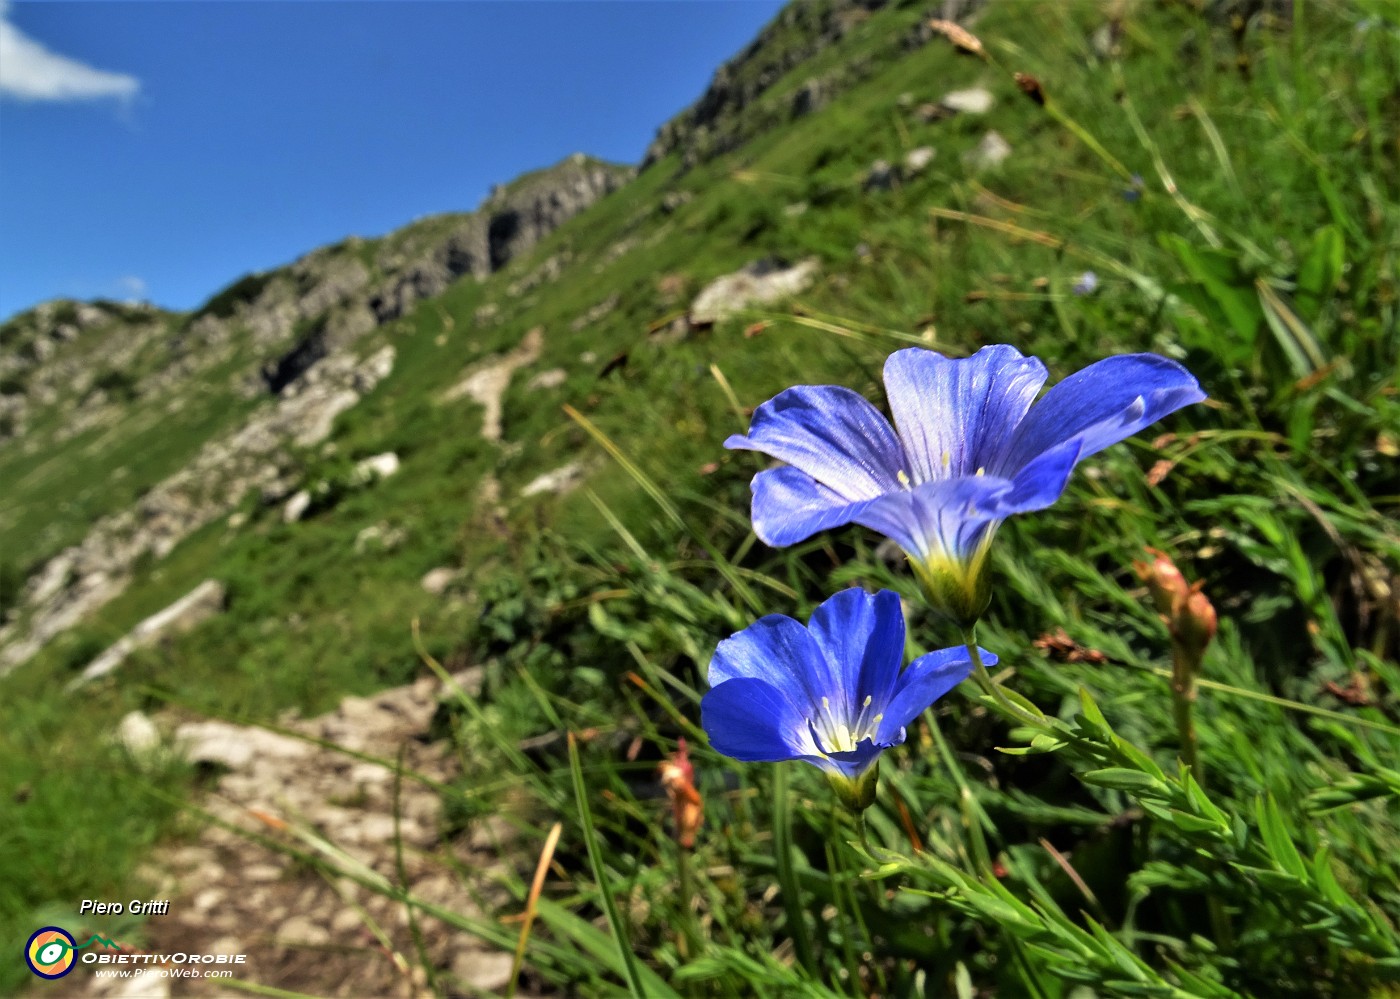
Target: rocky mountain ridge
(288,336)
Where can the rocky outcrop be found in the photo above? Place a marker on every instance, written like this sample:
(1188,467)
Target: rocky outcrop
(254,456)
(62,353)
(204,601)
(762,282)
(746,97)
(510,222)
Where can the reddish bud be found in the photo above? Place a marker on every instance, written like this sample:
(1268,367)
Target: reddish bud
(1164,581)
(687,807)
(1194,623)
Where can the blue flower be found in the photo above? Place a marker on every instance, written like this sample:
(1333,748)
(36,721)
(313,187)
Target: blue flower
(967,450)
(1086,284)
(830,693)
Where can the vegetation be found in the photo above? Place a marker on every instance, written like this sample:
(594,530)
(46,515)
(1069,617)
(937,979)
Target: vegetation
(1234,190)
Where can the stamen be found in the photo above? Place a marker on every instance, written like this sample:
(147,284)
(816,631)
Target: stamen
(903,478)
(947,458)
(981,471)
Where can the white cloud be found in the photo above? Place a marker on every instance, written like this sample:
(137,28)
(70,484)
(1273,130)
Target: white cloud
(133,288)
(30,72)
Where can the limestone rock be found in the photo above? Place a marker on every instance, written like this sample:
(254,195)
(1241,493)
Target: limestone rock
(550,379)
(436,581)
(204,601)
(762,282)
(380,466)
(138,735)
(917,160)
(974,100)
(486,383)
(296,507)
(559,480)
(236,746)
(990,153)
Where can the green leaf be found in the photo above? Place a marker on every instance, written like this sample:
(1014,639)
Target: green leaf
(1092,714)
(1122,779)
(1193,823)
(642,982)
(1277,840)
(1218,273)
(1319,271)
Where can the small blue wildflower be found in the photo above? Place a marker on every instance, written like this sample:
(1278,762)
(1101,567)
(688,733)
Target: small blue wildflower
(967,450)
(1134,192)
(1086,284)
(830,693)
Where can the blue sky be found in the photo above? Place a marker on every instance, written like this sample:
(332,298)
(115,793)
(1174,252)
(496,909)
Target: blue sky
(159,151)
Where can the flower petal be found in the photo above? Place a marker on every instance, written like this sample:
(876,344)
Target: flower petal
(938,519)
(965,409)
(863,638)
(1040,483)
(752,720)
(782,653)
(833,434)
(1101,405)
(790,506)
(926,680)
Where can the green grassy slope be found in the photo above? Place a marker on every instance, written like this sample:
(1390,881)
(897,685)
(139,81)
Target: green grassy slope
(1281,494)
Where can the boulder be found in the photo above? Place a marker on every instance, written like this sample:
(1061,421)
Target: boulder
(974,100)
(988,154)
(762,282)
(917,160)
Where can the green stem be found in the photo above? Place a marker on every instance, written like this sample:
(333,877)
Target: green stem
(864,836)
(1183,701)
(1019,709)
(691,943)
(787,877)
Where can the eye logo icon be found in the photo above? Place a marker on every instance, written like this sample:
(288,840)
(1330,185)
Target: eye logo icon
(49,952)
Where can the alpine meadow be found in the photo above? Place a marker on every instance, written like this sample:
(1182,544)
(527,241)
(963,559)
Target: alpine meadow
(928,529)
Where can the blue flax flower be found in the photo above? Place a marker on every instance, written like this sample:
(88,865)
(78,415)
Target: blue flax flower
(831,693)
(967,450)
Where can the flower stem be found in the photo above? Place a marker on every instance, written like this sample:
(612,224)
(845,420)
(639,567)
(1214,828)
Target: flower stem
(864,836)
(1019,709)
(787,876)
(1183,700)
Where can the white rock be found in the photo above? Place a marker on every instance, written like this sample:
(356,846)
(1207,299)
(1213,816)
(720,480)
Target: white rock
(235,746)
(917,159)
(974,100)
(483,970)
(760,283)
(560,480)
(300,930)
(204,601)
(137,734)
(552,378)
(436,581)
(991,152)
(380,465)
(295,507)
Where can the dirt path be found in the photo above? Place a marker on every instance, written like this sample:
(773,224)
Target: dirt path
(232,892)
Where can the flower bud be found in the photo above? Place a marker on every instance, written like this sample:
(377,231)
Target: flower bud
(1164,582)
(1193,624)
(687,807)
